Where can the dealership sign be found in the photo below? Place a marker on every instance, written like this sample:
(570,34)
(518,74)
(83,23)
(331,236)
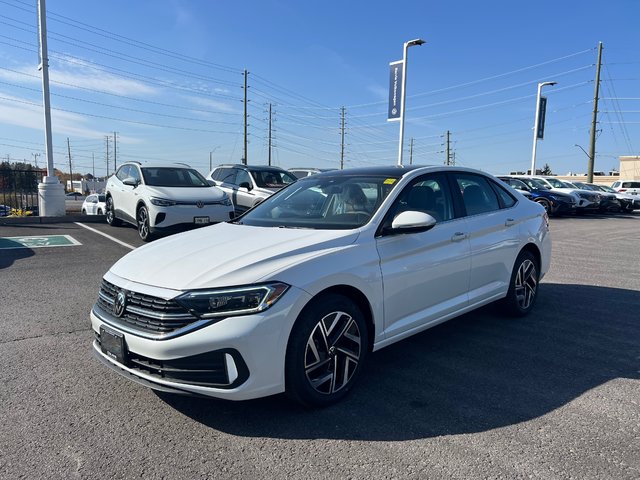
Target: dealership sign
(543,112)
(396,70)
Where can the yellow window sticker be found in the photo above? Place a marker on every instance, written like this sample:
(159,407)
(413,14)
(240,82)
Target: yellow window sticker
(390,181)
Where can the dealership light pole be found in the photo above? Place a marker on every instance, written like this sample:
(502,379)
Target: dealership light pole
(537,131)
(50,190)
(410,43)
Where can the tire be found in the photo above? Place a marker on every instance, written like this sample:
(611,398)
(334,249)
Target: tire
(84,212)
(99,211)
(545,203)
(142,221)
(523,286)
(111,214)
(327,349)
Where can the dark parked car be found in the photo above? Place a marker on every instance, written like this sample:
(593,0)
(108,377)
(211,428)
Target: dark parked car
(555,203)
(608,202)
(628,203)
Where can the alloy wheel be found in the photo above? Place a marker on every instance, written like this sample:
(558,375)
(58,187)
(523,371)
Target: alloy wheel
(526,284)
(143,223)
(333,352)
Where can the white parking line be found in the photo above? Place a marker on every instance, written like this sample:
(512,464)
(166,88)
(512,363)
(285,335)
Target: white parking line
(105,235)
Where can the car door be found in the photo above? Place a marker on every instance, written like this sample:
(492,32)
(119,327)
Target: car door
(424,275)
(493,225)
(91,205)
(117,187)
(131,193)
(246,199)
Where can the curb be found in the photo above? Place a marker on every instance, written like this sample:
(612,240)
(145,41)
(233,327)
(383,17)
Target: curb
(46,220)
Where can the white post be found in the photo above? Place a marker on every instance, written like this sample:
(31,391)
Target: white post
(51,201)
(408,44)
(536,125)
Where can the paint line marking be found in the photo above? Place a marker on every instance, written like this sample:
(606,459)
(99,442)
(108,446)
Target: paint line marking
(113,239)
(37,241)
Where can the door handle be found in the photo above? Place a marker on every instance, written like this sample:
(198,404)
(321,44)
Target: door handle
(509,222)
(458,236)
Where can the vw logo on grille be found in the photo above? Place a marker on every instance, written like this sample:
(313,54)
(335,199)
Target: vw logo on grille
(199,204)
(120,304)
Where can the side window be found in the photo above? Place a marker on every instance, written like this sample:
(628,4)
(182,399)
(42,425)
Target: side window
(123,172)
(477,195)
(242,176)
(506,198)
(429,194)
(226,175)
(134,173)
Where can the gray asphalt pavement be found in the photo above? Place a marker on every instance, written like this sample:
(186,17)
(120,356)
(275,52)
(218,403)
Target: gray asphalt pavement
(553,396)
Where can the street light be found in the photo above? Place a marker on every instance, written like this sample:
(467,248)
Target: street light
(536,126)
(410,43)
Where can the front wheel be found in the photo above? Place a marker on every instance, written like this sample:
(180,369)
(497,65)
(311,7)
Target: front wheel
(523,286)
(326,351)
(545,203)
(111,213)
(142,218)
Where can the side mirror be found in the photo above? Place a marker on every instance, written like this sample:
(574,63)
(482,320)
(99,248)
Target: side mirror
(412,222)
(245,185)
(130,181)
(211,182)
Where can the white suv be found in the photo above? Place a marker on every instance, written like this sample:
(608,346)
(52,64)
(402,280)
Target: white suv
(631,187)
(163,199)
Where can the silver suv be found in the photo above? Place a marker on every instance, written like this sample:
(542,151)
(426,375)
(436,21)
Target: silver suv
(163,198)
(248,185)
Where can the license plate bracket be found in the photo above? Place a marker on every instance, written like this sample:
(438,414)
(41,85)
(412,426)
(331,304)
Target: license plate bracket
(201,220)
(112,345)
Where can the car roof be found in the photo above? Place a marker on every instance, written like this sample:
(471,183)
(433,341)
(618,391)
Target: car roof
(158,165)
(394,171)
(252,167)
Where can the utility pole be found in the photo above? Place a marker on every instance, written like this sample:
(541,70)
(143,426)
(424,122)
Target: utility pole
(107,140)
(115,150)
(342,141)
(269,134)
(93,166)
(35,157)
(594,119)
(411,152)
(244,159)
(70,169)
(447,160)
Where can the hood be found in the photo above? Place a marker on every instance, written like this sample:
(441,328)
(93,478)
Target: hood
(225,255)
(187,194)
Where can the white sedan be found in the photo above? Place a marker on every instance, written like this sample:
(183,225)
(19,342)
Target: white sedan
(295,294)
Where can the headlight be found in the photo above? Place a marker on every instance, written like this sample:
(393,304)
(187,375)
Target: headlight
(232,301)
(162,202)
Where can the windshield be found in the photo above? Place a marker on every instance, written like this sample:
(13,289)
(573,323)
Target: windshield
(555,183)
(534,183)
(272,178)
(325,203)
(173,177)
(606,189)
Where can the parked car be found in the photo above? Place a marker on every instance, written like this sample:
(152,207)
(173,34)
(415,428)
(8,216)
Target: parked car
(608,201)
(305,172)
(555,203)
(294,294)
(160,198)
(5,210)
(585,199)
(631,187)
(627,202)
(94,204)
(248,185)
(74,196)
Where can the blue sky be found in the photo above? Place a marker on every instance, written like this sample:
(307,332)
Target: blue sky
(167,76)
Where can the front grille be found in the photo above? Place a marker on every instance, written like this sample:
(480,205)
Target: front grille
(145,312)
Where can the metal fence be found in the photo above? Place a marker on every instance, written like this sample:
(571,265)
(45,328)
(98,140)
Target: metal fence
(19,188)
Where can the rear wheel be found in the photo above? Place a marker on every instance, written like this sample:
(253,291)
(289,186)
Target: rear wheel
(142,219)
(326,351)
(111,213)
(523,286)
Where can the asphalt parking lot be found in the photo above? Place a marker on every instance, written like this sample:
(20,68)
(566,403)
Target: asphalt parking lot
(553,396)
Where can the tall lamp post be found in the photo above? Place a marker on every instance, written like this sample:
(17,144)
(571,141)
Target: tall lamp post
(410,43)
(536,125)
(211,158)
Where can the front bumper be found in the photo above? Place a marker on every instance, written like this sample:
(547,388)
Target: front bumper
(179,217)
(237,358)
